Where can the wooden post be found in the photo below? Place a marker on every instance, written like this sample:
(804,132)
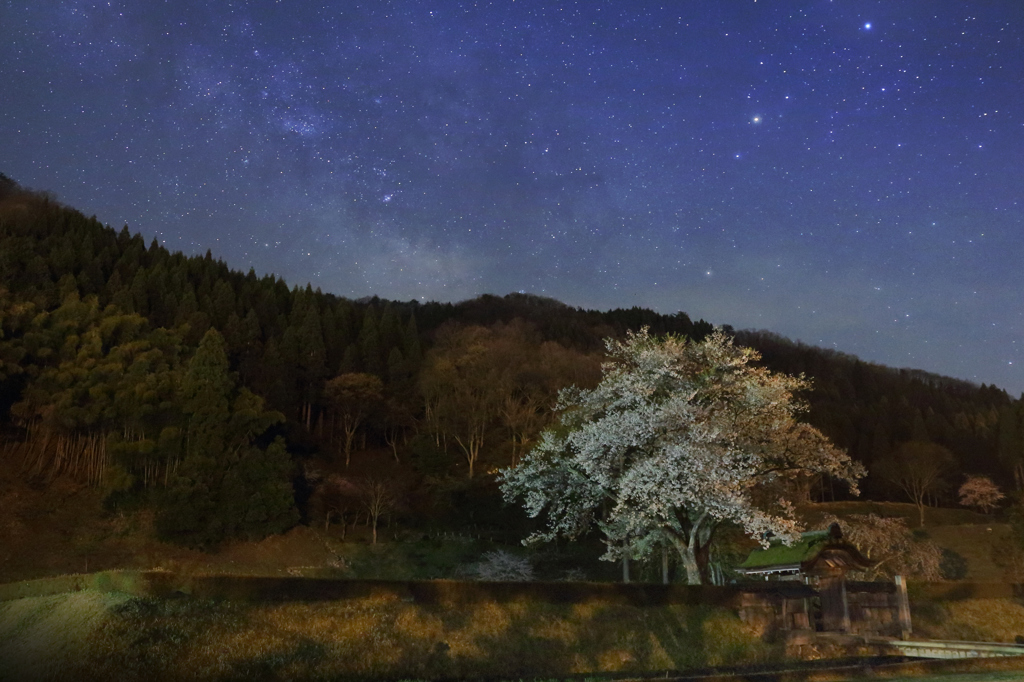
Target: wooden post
(903,607)
(846,605)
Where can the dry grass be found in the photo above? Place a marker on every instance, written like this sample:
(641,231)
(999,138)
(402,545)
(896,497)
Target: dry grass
(975,537)
(976,620)
(42,637)
(934,516)
(103,637)
(978,545)
(990,676)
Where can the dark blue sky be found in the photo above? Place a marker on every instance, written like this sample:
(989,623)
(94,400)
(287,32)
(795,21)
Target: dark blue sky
(845,173)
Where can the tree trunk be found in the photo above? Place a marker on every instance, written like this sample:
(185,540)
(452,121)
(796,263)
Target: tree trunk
(625,568)
(471,449)
(391,438)
(349,435)
(703,556)
(691,550)
(689,558)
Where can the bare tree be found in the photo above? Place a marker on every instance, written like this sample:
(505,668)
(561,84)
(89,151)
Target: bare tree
(535,373)
(353,397)
(463,388)
(522,414)
(917,468)
(396,421)
(477,378)
(336,498)
(379,498)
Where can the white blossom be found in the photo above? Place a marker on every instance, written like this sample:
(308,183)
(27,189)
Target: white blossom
(980,492)
(503,566)
(678,437)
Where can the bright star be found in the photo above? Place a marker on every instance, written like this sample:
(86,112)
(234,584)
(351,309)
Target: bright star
(867,26)
(757,119)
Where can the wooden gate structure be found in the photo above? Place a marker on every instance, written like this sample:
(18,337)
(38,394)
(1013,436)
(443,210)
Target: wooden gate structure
(804,586)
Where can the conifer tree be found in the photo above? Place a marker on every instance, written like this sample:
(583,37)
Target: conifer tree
(411,348)
(312,361)
(251,348)
(351,362)
(390,330)
(369,343)
(227,486)
(397,368)
(1010,444)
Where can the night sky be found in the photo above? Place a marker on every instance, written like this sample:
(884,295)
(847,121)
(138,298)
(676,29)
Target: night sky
(847,173)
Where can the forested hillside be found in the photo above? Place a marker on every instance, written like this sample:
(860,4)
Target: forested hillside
(221,398)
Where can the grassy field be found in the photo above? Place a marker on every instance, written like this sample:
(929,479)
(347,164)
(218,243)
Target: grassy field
(965,617)
(101,632)
(933,516)
(975,537)
(62,529)
(88,635)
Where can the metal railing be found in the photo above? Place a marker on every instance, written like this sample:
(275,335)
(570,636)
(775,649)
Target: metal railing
(937,648)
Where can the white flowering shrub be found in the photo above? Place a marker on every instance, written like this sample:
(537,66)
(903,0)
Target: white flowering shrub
(501,565)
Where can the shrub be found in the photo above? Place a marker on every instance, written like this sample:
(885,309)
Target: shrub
(952,565)
(504,566)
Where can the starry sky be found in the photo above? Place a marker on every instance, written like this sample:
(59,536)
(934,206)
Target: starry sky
(846,173)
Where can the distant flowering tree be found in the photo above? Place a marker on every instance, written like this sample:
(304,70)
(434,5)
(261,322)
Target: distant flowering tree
(981,493)
(678,437)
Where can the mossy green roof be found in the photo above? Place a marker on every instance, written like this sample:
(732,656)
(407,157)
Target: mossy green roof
(778,554)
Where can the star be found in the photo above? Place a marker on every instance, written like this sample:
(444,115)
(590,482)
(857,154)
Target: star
(585,159)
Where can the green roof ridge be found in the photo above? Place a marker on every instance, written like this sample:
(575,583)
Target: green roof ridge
(778,554)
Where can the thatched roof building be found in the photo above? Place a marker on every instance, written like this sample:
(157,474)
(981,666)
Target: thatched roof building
(815,554)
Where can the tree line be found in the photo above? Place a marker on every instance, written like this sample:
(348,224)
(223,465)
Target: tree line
(104,339)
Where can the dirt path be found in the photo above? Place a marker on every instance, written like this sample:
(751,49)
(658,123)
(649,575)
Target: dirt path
(40,636)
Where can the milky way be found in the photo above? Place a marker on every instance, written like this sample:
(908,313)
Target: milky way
(844,173)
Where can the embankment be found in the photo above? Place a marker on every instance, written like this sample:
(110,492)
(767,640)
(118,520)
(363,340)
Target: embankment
(158,625)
